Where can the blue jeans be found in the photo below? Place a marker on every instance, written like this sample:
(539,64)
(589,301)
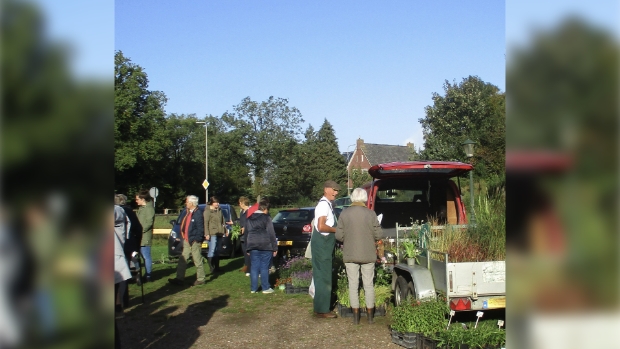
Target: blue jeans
(145,251)
(212,245)
(259,265)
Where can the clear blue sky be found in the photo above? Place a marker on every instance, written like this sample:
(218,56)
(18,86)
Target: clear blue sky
(368,67)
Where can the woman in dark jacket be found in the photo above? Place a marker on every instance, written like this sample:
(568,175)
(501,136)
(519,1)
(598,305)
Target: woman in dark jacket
(261,245)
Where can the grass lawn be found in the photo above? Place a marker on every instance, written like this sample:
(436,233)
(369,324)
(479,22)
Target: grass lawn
(231,283)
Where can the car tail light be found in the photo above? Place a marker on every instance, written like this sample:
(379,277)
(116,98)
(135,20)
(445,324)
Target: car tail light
(307,229)
(460,304)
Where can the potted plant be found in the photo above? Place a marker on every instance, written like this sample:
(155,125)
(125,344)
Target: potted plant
(416,322)
(410,251)
(469,336)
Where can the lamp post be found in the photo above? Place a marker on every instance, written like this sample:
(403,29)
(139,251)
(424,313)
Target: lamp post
(349,171)
(206,161)
(468,147)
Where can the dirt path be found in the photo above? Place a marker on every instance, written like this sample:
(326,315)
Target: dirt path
(207,324)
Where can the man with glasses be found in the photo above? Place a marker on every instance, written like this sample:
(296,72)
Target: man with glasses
(322,247)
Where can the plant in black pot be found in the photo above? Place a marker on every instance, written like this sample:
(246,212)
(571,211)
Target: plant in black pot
(416,321)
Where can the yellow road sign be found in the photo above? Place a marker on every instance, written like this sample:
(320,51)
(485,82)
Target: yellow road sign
(205,184)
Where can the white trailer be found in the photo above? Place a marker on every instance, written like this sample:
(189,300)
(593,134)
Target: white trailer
(465,285)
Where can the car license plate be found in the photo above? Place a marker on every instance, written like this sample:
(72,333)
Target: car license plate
(499,302)
(285,243)
(205,245)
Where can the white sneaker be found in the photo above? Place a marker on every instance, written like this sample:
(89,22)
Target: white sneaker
(247,274)
(268,291)
(252,291)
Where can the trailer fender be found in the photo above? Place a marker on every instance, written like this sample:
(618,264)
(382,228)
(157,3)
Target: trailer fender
(421,277)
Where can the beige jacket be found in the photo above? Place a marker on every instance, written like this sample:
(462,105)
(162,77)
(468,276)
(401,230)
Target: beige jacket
(358,229)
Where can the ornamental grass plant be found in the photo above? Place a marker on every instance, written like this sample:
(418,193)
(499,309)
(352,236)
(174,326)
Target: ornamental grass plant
(484,241)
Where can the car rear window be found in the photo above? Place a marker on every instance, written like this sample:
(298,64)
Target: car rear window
(292,216)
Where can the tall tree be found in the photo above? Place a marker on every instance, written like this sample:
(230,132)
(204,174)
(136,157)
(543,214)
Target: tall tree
(266,130)
(471,109)
(139,137)
(328,162)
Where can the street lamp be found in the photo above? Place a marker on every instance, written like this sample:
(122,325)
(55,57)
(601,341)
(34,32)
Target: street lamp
(468,147)
(349,170)
(206,161)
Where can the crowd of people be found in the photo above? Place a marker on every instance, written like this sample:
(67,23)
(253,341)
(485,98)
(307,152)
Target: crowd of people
(357,228)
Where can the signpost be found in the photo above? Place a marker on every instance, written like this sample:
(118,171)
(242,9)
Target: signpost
(154,192)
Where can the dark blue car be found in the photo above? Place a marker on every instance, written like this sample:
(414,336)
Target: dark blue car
(228,248)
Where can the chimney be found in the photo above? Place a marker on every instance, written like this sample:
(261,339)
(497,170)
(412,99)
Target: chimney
(360,142)
(409,145)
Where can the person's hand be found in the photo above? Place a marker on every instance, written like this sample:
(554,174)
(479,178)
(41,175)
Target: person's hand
(208,237)
(275,253)
(178,239)
(230,223)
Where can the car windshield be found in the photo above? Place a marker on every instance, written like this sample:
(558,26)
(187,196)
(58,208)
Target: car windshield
(293,216)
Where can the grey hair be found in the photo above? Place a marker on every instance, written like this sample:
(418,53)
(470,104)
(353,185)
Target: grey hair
(193,199)
(120,199)
(359,195)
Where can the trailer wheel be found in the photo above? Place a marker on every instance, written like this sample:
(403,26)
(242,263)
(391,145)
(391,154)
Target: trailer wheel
(403,290)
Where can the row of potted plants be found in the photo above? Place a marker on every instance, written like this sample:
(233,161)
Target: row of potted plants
(425,324)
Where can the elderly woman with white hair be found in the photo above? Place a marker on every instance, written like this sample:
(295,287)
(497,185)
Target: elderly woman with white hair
(359,229)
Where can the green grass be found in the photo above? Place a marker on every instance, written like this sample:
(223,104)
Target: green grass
(230,286)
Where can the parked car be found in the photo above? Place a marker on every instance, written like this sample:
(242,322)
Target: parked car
(228,248)
(342,202)
(293,230)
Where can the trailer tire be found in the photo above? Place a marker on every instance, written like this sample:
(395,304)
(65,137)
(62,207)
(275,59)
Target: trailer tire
(403,290)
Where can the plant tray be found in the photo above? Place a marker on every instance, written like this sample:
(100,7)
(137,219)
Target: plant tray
(290,289)
(348,312)
(413,340)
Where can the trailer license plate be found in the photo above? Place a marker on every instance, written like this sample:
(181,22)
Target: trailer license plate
(285,243)
(205,245)
(499,302)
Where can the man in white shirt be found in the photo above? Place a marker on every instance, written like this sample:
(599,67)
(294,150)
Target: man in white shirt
(322,247)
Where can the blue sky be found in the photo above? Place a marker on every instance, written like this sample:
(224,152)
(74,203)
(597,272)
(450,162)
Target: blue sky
(367,67)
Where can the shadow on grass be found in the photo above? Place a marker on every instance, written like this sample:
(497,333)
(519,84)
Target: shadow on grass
(153,326)
(232,265)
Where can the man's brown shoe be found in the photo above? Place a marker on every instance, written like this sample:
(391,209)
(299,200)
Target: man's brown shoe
(244,269)
(325,315)
(196,283)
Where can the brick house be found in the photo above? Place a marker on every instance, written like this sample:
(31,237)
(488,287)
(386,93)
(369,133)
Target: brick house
(367,155)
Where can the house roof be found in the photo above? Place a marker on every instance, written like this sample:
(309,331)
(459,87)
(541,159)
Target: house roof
(383,153)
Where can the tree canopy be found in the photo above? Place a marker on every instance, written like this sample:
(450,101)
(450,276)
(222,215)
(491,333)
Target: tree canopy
(471,109)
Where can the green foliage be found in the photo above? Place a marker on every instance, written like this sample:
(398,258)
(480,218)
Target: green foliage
(235,231)
(266,130)
(359,177)
(472,110)
(486,334)
(294,265)
(426,317)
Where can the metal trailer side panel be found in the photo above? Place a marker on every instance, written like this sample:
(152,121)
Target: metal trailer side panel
(439,272)
(476,278)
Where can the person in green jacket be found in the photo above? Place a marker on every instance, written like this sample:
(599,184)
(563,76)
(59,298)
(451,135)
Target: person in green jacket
(146,216)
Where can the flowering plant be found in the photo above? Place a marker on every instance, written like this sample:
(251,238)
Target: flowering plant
(302,278)
(293,265)
(283,281)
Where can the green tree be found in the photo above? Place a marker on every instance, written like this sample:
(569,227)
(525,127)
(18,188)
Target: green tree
(266,130)
(472,109)
(327,162)
(139,136)
(359,177)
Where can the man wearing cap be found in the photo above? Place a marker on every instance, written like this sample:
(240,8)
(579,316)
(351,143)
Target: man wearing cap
(322,247)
